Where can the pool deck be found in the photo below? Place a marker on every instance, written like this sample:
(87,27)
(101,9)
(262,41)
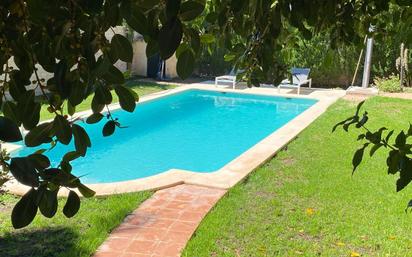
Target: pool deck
(237,169)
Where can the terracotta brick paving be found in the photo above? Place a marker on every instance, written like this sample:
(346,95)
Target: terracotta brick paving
(163,224)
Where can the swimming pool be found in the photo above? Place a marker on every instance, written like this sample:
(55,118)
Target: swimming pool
(196,130)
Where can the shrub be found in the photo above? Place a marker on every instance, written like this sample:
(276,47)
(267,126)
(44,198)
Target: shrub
(390,84)
(4,169)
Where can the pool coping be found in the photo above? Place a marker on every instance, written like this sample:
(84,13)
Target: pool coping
(230,174)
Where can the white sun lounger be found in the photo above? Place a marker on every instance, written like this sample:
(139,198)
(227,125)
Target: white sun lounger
(230,78)
(300,76)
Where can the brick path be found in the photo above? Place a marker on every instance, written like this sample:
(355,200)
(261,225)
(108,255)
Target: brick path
(162,225)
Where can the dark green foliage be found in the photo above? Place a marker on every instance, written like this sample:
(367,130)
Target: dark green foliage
(41,134)
(9,131)
(72,205)
(24,171)
(94,118)
(185,64)
(67,39)
(62,129)
(48,202)
(109,128)
(122,47)
(81,139)
(170,36)
(189,10)
(25,210)
(127,98)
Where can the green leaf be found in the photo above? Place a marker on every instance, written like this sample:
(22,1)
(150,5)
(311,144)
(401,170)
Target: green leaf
(357,157)
(76,94)
(9,131)
(94,118)
(25,210)
(29,110)
(109,128)
(122,48)
(276,22)
(185,64)
(70,156)
(72,205)
(10,111)
(207,38)
(102,66)
(172,8)
(182,47)
(71,110)
(111,12)
(62,129)
(85,191)
(40,161)
(81,139)
(194,40)
(152,48)
(134,17)
(103,95)
(24,171)
(60,71)
(60,177)
(237,5)
(190,10)
(169,39)
(229,57)
(39,135)
(127,98)
(97,107)
(113,75)
(48,203)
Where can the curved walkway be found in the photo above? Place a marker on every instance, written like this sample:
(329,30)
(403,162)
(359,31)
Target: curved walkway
(162,225)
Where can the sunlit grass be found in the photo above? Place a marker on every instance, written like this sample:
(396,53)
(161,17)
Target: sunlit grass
(305,202)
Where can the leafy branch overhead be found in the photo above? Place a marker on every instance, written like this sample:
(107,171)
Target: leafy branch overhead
(66,38)
(399,149)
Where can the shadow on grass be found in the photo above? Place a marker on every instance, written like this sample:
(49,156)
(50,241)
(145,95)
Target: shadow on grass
(136,83)
(39,242)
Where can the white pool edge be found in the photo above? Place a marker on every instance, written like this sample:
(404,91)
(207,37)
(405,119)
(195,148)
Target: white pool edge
(230,174)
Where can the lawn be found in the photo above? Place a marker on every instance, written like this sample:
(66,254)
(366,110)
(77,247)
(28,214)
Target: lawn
(304,202)
(62,237)
(141,88)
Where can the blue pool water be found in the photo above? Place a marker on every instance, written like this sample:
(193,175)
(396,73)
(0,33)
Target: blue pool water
(195,130)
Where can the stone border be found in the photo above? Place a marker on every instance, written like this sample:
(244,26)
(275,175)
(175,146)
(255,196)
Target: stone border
(234,171)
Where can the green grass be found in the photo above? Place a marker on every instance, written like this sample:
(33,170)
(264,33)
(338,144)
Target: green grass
(304,202)
(63,237)
(141,88)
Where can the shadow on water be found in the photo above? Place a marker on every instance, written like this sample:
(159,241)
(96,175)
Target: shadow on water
(39,243)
